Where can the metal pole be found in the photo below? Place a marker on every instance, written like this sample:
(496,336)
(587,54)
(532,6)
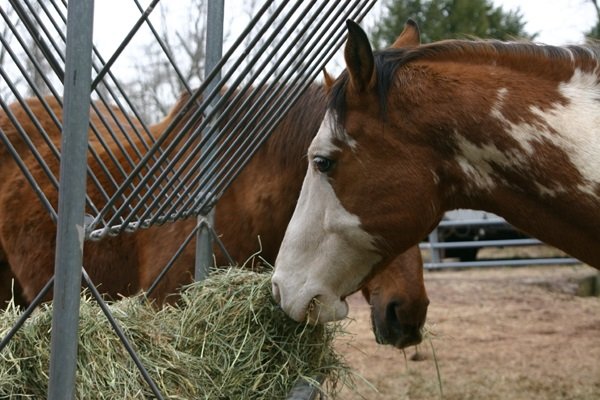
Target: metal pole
(71,202)
(214,52)
(434,251)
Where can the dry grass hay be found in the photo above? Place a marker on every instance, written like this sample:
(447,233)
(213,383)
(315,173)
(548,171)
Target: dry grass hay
(226,340)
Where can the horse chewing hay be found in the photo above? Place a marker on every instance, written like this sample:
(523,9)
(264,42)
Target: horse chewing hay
(416,130)
(259,202)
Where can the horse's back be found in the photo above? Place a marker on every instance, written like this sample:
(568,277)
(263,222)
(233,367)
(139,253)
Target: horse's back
(27,232)
(25,123)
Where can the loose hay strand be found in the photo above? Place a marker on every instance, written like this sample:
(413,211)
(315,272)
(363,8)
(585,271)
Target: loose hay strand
(226,339)
(437,368)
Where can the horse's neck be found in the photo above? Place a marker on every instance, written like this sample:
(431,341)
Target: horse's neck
(542,171)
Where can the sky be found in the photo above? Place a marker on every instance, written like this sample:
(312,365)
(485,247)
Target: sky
(557,22)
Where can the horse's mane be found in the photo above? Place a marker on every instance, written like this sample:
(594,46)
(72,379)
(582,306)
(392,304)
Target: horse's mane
(293,134)
(525,57)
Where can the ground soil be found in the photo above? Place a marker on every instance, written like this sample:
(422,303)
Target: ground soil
(497,334)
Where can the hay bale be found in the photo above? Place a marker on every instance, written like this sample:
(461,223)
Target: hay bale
(225,340)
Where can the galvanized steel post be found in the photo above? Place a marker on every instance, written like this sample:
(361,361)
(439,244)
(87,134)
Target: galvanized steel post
(434,251)
(71,202)
(214,52)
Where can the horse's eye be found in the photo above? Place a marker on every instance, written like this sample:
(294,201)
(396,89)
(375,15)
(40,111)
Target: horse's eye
(323,164)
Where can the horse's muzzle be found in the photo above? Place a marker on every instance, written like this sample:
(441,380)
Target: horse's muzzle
(401,336)
(396,329)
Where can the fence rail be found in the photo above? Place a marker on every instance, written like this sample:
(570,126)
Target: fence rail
(456,241)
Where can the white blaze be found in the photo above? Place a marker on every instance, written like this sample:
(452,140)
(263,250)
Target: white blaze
(325,253)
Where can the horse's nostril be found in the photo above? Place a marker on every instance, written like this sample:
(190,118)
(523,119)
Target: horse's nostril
(276,294)
(391,314)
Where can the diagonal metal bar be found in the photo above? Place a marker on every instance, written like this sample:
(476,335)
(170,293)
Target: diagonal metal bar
(239,142)
(171,262)
(165,49)
(21,164)
(157,217)
(245,150)
(217,132)
(254,112)
(107,126)
(124,43)
(27,313)
(208,138)
(31,27)
(119,332)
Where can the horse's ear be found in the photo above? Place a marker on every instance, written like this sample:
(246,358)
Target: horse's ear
(329,80)
(359,58)
(410,36)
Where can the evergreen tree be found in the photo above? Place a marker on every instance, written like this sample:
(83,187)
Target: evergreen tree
(447,19)
(594,33)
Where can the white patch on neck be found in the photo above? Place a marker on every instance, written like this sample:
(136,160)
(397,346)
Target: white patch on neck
(497,107)
(575,128)
(477,162)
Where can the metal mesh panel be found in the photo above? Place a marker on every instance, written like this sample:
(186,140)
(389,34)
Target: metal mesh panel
(141,172)
(188,168)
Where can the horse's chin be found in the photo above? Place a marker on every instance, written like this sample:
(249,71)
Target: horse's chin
(408,340)
(401,338)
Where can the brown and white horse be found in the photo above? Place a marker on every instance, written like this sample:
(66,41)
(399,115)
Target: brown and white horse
(260,202)
(511,128)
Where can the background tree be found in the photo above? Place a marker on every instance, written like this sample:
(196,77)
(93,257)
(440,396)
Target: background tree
(156,86)
(7,37)
(446,19)
(35,67)
(594,33)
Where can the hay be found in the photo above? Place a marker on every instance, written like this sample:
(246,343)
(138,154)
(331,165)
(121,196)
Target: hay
(225,340)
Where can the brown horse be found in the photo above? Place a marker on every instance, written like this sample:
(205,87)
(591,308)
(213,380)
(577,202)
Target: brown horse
(510,128)
(260,202)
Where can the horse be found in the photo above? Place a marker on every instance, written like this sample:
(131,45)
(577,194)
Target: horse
(414,131)
(259,203)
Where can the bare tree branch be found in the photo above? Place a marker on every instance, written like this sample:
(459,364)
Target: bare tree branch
(185,41)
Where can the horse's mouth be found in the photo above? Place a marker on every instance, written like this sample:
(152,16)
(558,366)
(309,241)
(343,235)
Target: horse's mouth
(319,311)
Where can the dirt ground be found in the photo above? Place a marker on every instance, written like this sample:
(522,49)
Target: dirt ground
(506,333)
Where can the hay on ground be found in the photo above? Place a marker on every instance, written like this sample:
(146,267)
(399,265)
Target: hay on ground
(226,339)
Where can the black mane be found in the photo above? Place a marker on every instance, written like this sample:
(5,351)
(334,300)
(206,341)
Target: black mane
(525,57)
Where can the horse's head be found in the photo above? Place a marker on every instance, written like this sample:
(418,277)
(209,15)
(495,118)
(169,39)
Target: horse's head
(398,300)
(361,184)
